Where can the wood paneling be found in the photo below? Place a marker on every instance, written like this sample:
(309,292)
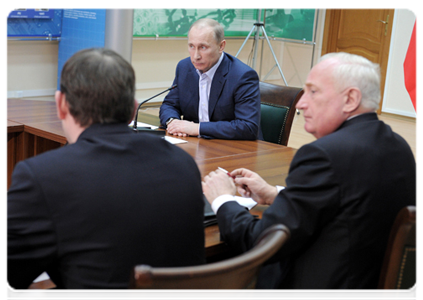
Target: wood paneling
(32,128)
(365,32)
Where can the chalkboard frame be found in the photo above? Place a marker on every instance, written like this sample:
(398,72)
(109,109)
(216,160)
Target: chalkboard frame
(295,24)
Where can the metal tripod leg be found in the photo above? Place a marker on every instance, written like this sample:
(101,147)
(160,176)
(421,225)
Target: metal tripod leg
(261,25)
(274,56)
(245,41)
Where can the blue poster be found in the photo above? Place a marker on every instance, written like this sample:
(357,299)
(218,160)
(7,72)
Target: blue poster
(38,13)
(34,23)
(81,29)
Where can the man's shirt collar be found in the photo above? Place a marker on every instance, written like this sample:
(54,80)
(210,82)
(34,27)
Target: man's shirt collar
(210,73)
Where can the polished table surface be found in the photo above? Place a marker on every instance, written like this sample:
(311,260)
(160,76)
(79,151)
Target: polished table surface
(271,161)
(14,126)
(38,117)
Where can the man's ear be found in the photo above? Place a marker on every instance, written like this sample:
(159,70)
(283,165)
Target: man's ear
(222,46)
(134,112)
(61,105)
(353,100)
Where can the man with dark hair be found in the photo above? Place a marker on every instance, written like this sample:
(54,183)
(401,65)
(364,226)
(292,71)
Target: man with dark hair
(103,92)
(217,94)
(90,211)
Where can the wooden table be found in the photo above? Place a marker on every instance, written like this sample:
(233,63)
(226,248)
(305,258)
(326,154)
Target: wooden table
(271,161)
(33,127)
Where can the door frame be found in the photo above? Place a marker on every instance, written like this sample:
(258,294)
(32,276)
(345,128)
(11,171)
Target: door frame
(330,33)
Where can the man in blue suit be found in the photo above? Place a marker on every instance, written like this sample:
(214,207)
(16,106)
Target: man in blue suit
(217,95)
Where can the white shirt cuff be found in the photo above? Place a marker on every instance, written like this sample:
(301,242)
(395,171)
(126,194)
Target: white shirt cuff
(280,188)
(219,201)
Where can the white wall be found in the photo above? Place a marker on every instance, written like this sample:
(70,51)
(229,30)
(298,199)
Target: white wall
(396,98)
(32,66)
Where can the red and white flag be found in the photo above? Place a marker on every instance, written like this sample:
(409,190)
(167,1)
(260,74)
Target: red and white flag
(410,68)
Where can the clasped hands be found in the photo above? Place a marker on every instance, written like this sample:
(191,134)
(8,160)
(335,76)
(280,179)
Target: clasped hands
(246,182)
(183,128)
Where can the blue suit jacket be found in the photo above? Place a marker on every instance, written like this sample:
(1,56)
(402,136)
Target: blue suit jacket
(234,102)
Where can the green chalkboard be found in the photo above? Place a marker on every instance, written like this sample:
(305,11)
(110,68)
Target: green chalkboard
(296,24)
(283,23)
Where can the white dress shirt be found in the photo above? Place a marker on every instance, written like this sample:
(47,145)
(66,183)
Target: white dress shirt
(204,85)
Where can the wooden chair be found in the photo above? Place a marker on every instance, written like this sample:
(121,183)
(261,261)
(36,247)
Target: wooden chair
(234,273)
(399,265)
(278,111)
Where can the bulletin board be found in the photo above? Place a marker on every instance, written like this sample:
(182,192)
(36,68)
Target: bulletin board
(34,23)
(297,24)
(24,13)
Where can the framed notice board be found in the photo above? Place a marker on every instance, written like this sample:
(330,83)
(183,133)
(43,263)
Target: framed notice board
(297,24)
(34,23)
(176,22)
(39,13)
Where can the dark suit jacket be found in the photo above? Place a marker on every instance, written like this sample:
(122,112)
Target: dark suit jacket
(88,212)
(342,194)
(234,102)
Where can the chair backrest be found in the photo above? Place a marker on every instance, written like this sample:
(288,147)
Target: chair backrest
(399,265)
(278,111)
(234,273)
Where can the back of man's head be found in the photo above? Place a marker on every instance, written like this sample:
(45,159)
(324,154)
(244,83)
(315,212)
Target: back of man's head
(99,86)
(352,70)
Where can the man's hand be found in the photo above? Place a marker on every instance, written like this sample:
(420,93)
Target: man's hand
(183,128)
(250,184)
(216,184)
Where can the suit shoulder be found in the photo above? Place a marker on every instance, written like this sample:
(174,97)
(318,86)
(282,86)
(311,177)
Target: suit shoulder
(365,134)
(154,141)
(235,62)
(184,63)
(181,154)
(185,68)
(239,69)
(45,162)
(51,155)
